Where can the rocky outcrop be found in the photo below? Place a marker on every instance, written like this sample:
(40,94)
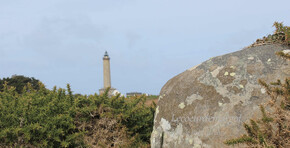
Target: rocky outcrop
(207,104)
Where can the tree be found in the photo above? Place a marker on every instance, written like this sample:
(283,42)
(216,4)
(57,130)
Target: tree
(19,81)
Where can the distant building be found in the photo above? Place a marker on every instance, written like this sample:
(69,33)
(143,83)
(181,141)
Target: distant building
(116,92)
(130,94)
(15,75)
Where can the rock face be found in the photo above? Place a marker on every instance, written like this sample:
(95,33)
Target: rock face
(207,104)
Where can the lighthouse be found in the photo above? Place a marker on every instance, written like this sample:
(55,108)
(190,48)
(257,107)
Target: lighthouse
(107,75)
(106,70)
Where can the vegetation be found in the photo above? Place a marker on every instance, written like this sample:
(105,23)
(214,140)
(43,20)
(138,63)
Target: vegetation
(273,129)
(281,35)
(19,81)
(57,118)
(280,28)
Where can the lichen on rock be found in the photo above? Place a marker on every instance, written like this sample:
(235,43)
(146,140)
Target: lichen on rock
(205,105)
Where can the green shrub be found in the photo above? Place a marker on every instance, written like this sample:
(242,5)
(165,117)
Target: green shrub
(57,118)
(37,118)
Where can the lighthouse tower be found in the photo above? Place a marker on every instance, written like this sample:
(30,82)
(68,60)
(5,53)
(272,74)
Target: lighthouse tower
(106,75)
(106,70)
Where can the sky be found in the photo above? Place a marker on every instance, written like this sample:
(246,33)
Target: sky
(148,41)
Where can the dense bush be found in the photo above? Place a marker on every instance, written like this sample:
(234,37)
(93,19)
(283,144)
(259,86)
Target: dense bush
(57,118)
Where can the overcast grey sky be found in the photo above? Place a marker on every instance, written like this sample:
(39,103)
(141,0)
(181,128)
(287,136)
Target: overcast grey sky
(149,41)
